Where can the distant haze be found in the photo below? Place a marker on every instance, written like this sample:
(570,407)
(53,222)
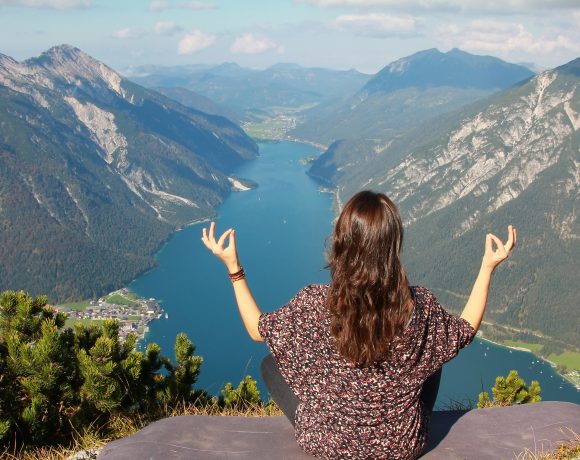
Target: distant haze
(338,34)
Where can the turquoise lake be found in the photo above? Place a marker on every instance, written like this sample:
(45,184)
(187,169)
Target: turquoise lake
(281,229)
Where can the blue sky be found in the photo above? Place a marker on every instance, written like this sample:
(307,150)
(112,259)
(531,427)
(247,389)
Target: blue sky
(341,34)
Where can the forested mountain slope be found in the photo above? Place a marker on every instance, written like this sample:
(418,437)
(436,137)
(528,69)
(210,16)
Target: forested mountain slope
(96,171)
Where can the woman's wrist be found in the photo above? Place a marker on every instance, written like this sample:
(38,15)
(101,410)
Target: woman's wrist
(237,276)
(486,269)
(233,267)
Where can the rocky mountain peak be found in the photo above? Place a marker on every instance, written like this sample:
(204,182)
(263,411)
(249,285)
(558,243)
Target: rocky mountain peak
(72,66)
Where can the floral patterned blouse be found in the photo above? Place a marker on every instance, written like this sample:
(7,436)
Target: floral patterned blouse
(352,412)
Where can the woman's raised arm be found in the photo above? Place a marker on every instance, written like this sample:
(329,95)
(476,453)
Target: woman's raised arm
(249,310)
(475,306)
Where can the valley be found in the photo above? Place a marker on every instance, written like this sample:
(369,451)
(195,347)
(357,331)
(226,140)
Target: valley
(461,152)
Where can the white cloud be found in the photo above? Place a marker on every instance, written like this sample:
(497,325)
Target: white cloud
(375,24)
(52,4)
(500,6)
(166,28)
(195,41)
(162,5)
(249,43)
(126,33)
(509,40)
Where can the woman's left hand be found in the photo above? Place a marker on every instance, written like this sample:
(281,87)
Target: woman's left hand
(493,257)
(228,255)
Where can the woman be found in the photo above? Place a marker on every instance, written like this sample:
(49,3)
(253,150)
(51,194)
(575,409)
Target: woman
(355,365)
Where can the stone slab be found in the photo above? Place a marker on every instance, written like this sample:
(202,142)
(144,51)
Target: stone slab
(481,434)
(502,433)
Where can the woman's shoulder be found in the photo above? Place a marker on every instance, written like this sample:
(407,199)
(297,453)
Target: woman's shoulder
(311,291)
(421,293)
(424,301)
(311,294)
(314,289)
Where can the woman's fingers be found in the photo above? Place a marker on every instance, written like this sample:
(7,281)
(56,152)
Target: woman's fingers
(222,239)
(233,240)
(511,239)
(497,241)
(206,239)
(208,236)
(496,251)
(500,248)
(217,247)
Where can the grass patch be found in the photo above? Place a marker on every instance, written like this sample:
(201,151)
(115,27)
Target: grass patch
(275,123)
(134,318)
(131,295)
(568,450)
(70,322)
(120,426)
(118,299)
(270,129)
(456,404)
(535,347)
(77,306)
(570,359)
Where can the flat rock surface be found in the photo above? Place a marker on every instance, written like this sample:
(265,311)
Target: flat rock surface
(500,433)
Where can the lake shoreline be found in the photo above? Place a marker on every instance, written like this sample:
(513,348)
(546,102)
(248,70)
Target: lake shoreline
(551,363)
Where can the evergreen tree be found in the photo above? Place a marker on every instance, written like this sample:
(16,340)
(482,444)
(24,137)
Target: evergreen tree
(242,398)
(183,375)
(52,379)
(39,367)
(510,390)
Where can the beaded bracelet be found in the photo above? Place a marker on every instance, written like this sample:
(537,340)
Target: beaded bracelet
(239,275)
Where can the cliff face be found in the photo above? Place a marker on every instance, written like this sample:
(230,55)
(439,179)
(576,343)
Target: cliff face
(97,171)
(512,158)
(495,155)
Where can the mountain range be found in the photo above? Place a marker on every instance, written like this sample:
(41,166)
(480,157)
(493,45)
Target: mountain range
(406,92)
(97,171)
(253,91)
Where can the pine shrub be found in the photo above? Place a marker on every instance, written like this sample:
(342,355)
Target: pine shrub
(510,390)
(55,382)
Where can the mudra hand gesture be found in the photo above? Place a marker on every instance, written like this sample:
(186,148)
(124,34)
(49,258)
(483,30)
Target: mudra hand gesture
(493,257)
(228,255)
(249,310)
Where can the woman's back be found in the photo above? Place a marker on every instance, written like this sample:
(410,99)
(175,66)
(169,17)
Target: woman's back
(353,411)
(352,363)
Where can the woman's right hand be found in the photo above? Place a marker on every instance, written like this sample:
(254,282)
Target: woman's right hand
(493,257)
(228,255)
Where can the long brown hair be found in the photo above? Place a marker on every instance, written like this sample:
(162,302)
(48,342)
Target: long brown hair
(369,297)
